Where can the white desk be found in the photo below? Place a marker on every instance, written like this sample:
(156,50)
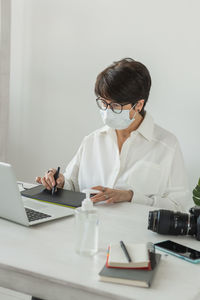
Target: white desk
(41,260)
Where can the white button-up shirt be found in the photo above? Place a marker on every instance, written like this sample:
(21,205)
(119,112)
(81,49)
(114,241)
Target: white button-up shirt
(150,164)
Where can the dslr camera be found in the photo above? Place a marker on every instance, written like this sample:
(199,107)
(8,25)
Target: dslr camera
(175,223)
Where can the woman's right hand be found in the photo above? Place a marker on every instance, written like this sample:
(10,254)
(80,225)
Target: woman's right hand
(48,180)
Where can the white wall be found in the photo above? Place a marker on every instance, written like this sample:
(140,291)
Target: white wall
(59,46)
(4,74)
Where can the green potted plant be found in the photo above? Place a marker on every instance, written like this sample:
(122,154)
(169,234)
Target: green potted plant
(196,194)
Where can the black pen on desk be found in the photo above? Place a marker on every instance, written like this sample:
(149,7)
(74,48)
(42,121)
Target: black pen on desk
(56,175)
(125,251)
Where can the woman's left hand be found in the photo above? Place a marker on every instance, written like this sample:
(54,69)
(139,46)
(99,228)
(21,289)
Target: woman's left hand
(111,195)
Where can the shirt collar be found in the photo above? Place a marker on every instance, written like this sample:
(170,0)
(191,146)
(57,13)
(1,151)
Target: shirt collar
(105,129)
(145,129)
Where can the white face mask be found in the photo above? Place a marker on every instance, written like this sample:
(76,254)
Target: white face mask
(117,121)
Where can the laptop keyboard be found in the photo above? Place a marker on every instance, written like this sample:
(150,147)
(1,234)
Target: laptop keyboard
(34,215)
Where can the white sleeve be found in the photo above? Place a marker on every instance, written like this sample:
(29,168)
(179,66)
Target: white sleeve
(176,196)
(72,170)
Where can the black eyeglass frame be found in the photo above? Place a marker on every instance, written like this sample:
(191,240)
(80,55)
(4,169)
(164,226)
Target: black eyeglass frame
(110,104)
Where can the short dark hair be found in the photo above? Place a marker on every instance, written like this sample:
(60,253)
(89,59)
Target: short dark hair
(125,81)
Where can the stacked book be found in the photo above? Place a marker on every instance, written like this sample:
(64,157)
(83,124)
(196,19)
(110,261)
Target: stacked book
(131,264)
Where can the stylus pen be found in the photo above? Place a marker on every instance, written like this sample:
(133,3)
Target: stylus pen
(125,251)
(55,177)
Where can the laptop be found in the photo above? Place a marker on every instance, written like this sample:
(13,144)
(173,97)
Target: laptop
(23,210)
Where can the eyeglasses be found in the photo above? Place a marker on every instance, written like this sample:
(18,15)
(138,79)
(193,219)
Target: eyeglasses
(116,107)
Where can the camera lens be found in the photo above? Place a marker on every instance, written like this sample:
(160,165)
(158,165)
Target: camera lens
(168,222)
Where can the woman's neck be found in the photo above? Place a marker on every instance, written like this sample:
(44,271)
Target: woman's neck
(125,133)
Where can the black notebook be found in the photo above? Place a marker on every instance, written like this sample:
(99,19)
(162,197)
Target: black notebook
(61,197)
(135,277)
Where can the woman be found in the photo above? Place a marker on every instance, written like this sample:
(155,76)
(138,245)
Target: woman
(131,158)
